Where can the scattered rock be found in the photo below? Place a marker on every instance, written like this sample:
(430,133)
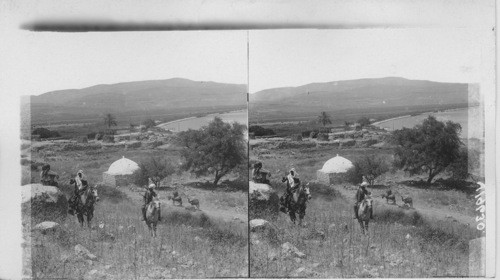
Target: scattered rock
(331,227)
(46,227)
(260,191)
(83,252)
(197,239)
(289,250)
(45,203)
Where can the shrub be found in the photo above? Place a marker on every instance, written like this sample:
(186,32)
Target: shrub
(296,137)
(313,134)
(45,133)
(260,131)
(306,133)
(369,166)
(108,139)
(322,136)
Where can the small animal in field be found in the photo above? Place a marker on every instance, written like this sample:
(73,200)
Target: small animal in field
(407,201)
(177,198)
(194,202)
(389,196)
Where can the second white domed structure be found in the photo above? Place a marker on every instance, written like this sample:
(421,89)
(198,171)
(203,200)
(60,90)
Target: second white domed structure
(120,172)
(334,170)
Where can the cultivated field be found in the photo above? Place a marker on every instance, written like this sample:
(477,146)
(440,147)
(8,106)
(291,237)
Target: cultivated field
(211,242)
(427,241)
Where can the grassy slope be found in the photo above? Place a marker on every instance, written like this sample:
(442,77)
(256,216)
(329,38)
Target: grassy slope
(221,249)
(436,247)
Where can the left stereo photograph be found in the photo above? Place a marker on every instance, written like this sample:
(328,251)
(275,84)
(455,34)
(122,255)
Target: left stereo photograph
(134,155)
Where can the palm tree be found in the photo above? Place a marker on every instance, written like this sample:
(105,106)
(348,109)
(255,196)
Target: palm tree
(110,120)
(324,119)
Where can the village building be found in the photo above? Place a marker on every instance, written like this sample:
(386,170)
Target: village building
(120,173)
(334,171)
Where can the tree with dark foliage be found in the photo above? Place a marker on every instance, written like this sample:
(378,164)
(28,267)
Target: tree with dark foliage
(155,168)
(217,149)
(429,147)
(370,166)
(110,120)
(324,119)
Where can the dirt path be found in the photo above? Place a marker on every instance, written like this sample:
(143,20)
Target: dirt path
(236,215)
(426,211)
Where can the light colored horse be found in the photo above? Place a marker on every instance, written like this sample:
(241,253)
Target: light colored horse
(364,210)
(152,215)
(85,204)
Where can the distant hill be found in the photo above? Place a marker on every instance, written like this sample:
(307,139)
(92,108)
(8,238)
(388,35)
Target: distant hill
(370,96)
(144,98)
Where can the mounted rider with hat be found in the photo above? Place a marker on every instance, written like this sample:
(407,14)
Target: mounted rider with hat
(293,183)
(148,197)
(360,196)
(81,185)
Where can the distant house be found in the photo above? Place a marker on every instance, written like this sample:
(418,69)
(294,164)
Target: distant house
(334,170)
(120,172)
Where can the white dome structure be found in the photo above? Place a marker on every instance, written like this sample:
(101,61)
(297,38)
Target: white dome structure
(337,164)
(334,170)
(120,172)
(123,166)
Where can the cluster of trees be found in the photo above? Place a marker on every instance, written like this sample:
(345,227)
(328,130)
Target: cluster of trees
(45,133)
(429,148)
(260,131)
(217,149)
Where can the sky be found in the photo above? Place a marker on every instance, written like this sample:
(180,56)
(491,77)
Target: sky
(50,61)
(296,57)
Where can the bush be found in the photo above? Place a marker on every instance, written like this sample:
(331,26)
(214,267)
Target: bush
(264,209)
(322,136)
(45,133)
(108,139)
(369,166)
(306,133)
(296,137)
(314,134)
(260,131)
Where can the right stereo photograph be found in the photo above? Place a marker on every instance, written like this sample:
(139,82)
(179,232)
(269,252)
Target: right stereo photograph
(366,153)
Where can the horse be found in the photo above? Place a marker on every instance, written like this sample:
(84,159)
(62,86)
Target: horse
(152,215)
(85,204)
(297,201)
(194,202)
(389,196)
(364,210)
(407,201)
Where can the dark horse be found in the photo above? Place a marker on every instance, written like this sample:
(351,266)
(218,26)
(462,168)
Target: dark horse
(364,210)
(85,204)
(296,201)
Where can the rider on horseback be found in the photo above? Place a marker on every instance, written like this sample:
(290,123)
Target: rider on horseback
(259,175)
(81,185)
(360,196)
(293,183)
(148,197)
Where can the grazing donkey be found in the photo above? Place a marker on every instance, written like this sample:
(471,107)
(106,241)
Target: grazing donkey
(194,202)
(389,196)
(408,201)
